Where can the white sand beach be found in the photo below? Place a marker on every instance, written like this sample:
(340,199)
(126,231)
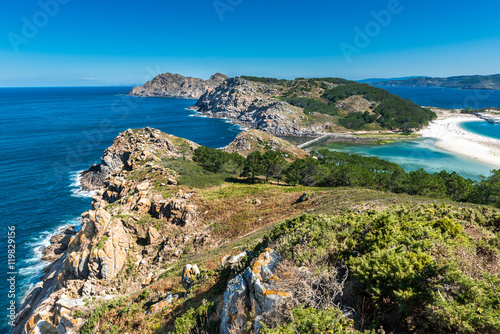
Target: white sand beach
(453,138)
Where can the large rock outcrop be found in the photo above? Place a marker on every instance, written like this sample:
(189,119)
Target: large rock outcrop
(254,140)
(257,286)
(137,224)
(255,105)
(175,85)
(132,147)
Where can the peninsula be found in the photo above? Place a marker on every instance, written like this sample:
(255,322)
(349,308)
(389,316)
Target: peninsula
(263,237)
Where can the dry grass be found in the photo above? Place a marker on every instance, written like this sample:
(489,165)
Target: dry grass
(236,209)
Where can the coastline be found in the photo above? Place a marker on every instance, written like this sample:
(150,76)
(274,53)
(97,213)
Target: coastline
(453,138)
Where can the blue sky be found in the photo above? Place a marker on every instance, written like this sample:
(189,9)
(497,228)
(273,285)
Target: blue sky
(108,42)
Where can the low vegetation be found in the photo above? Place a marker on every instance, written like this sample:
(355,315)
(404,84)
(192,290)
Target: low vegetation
(320,95)
(339,169)
(382,250)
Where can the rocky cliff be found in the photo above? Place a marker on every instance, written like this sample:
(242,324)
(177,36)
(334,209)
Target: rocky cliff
(138,221)
(178,86)
(140,225)
(254,140)
(256,105)
(128,149)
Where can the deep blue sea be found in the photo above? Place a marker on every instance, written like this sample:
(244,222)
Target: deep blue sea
(48,135)
(448,97)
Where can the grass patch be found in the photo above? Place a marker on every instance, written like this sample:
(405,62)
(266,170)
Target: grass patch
(194,176)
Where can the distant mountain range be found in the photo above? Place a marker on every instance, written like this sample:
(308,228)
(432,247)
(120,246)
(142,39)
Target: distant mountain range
(486,82)
(372,80)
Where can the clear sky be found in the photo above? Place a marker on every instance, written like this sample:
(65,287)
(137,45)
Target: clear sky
(111,42)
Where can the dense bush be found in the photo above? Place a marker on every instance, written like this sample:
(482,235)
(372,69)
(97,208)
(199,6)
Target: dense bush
(265,80)
(313,321)
(338,169)
(312,105)
(393,112)
(406,265)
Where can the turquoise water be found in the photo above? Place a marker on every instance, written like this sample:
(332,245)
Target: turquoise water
(482,128)
(421,153)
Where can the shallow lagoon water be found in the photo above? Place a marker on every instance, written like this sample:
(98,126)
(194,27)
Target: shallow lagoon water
(482,128)
(421,153)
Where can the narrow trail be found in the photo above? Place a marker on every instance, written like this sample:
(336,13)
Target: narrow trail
(312,141)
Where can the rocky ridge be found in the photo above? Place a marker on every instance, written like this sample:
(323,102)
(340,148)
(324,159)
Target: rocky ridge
(253,140)
(140,220)
(129,149)
(114,234)
(178,86)
(256,105)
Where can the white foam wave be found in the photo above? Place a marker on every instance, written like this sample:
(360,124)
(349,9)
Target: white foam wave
(76,186)
(30,268)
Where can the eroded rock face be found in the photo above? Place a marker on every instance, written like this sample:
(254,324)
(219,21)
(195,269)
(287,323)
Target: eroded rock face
(109,256)
(254,104)
(189,275)
(257,286)
(99,250)
(118,232)
(131,148)
(175,85)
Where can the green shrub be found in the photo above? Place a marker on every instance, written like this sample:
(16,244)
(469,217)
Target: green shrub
(196,319)
(402,260)
(312,321)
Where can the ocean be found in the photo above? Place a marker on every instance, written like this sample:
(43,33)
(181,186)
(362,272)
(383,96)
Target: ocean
(449,98)
(49,135)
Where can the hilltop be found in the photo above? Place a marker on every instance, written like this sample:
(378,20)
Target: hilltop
(178,86)
(187,239)
(254,140)
(310,107)
(486,82)
(294,108)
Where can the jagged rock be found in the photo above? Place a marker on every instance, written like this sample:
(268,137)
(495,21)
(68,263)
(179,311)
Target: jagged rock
(265,273)
(256,105)
(254,140)
(153,236)
(175,85)
(236,290)
(234,262)
(130,149)
(155,308)
(44,327)
(303,198)
(87,289)
(257,286)
(108,258)
(189,275)
(93,228)
(143,205)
